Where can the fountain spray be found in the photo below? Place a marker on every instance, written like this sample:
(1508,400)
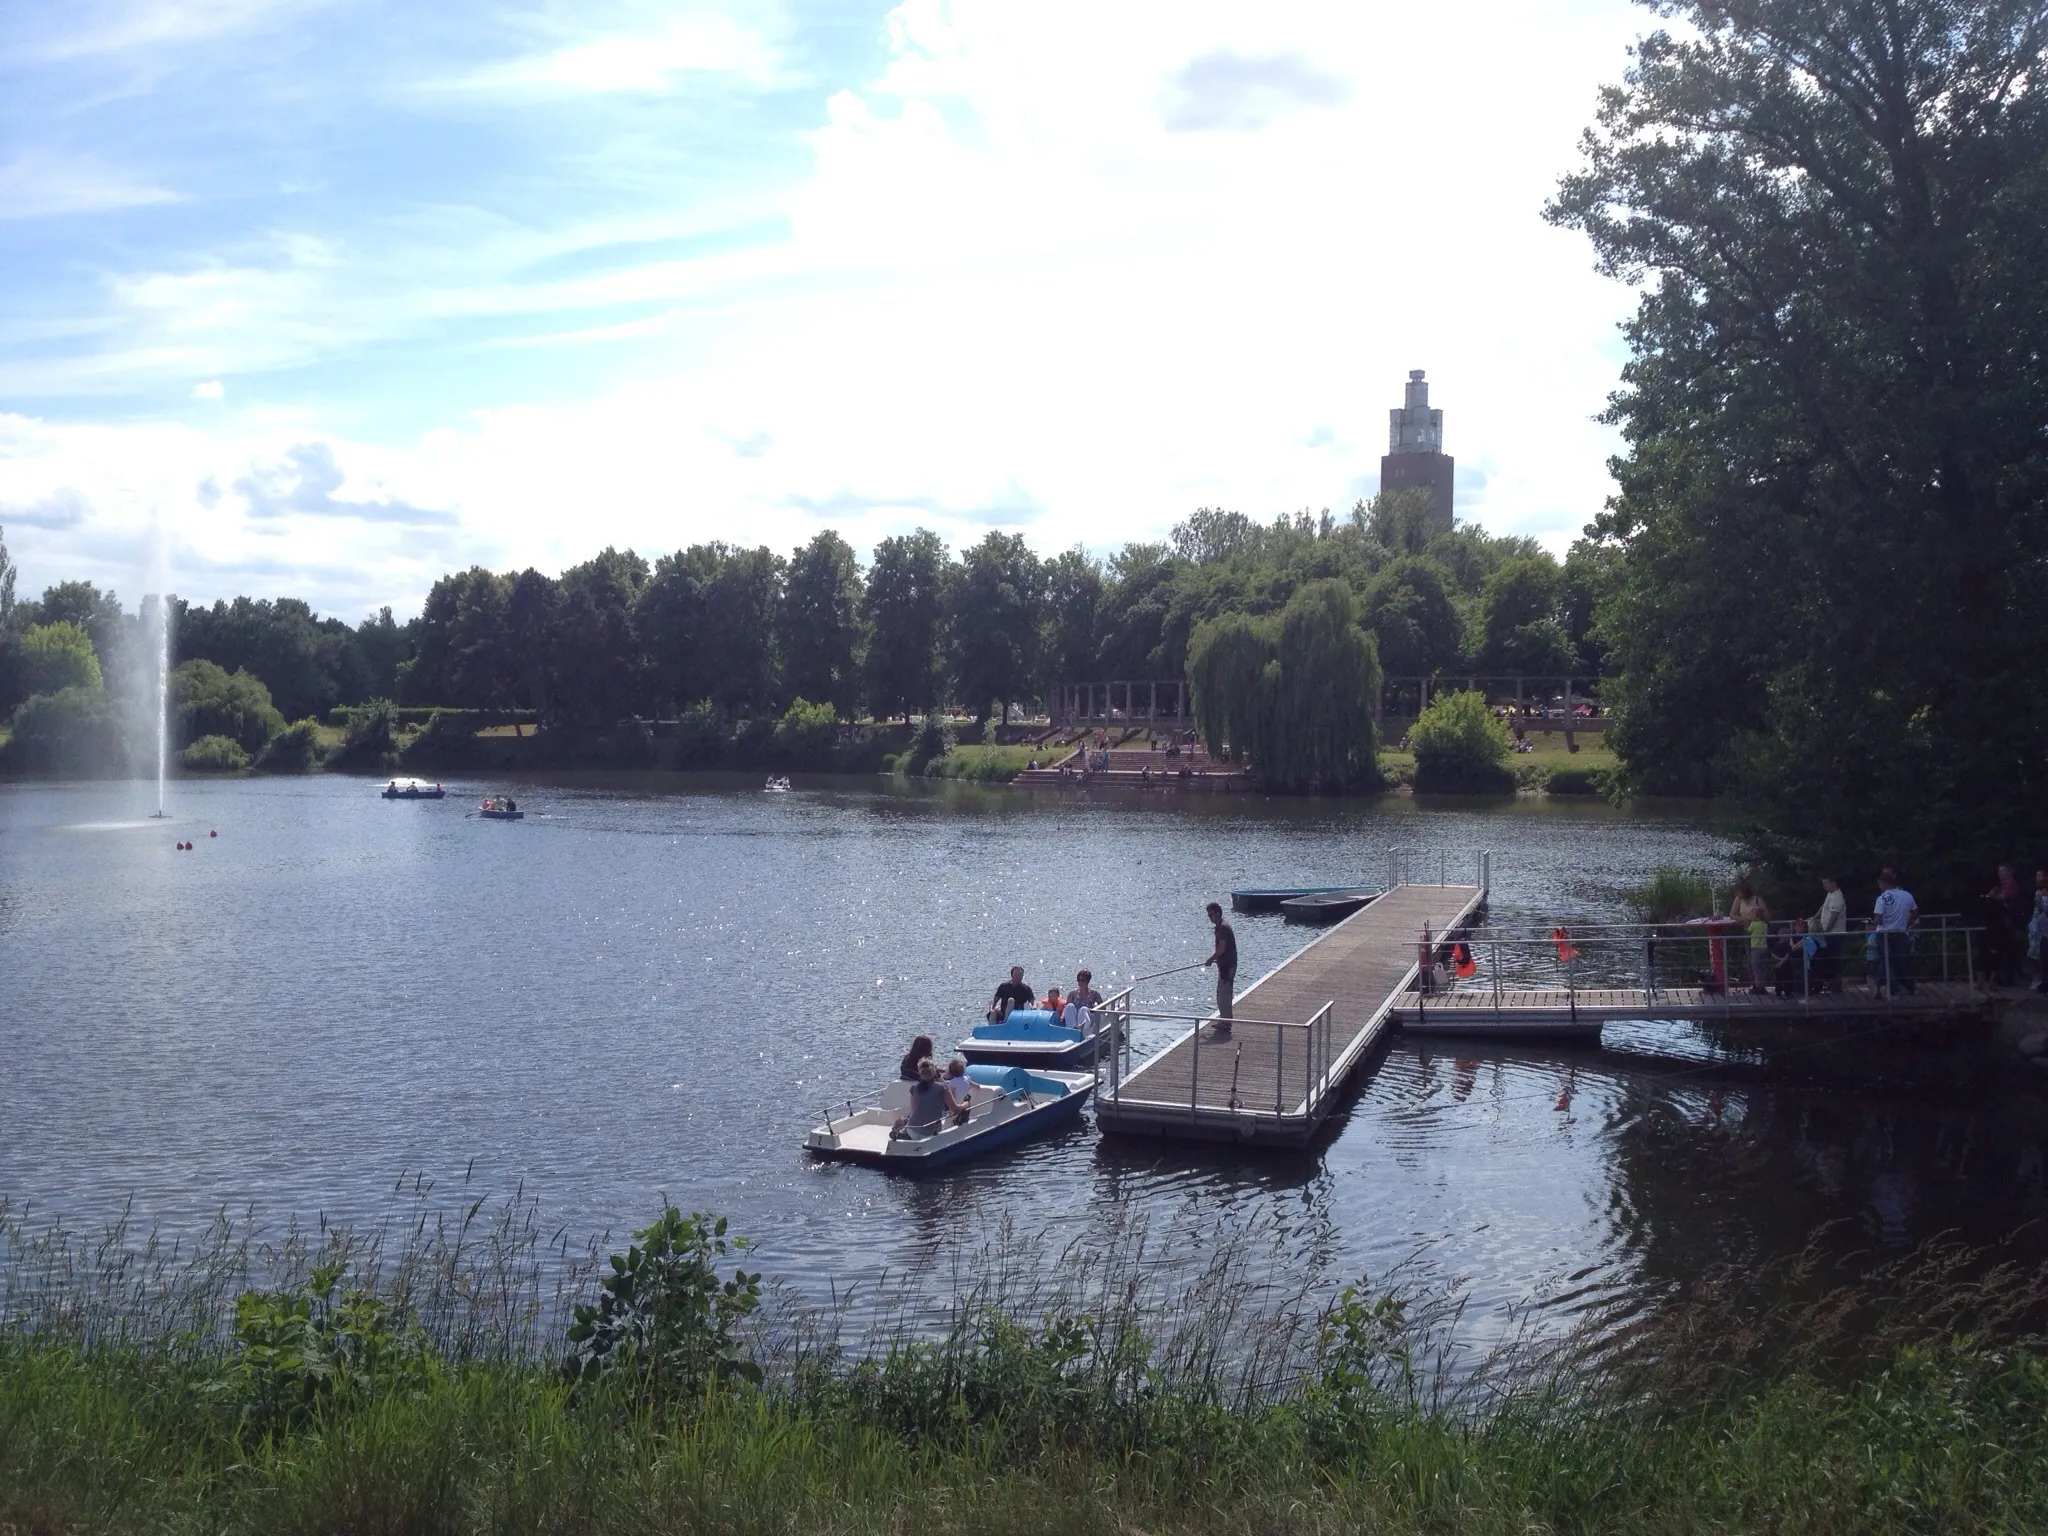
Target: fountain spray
(161,656)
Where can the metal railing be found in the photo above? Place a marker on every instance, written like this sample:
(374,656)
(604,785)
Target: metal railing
(1715,959)
(1411,866)
(1309,1043)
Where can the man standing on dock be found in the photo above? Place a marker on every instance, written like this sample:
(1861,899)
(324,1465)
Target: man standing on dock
(1224,958)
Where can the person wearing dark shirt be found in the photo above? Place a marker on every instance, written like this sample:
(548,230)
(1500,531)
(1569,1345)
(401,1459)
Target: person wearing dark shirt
(1224,958)
(920,1050)
(1013,993)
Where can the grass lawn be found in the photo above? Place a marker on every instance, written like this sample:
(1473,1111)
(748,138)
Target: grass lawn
(990,764)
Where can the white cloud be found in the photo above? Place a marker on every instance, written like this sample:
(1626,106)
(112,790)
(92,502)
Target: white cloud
(1012,295)
(208,389)
(38,183)
(653,58)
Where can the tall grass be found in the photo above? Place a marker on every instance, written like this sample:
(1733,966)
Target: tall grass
(1103,1388)
(1673,895)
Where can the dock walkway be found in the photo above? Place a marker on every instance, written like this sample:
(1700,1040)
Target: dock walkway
(1299,1033)
(1559,1010)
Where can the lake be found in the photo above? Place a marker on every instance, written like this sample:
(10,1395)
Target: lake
(652,986)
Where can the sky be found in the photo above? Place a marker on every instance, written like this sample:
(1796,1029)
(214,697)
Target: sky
(326,298)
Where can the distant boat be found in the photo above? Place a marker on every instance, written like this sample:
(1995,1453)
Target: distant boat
(777,785)
(413,789)
(501,808)
(1006,1104)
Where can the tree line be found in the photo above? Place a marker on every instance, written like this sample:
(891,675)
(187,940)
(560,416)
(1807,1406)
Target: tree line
(745,632)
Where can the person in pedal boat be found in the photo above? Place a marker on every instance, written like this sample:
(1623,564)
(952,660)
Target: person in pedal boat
(927,1104)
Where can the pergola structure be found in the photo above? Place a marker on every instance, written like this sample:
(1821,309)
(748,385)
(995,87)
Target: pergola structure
(1528,688)
(1160,701)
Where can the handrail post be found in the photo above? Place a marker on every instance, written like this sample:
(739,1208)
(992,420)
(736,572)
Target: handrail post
(1279,1065)
(1195,1075)
(1970,956)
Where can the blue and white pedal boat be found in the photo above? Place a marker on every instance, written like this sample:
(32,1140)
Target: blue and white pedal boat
(1006,1105)
(1032,1037)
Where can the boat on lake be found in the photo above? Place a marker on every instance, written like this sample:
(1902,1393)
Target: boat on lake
(1325,906)
(413,789)
(1031,1037)
(778,785)
(1271,899)
(1005,1105)
(501,808)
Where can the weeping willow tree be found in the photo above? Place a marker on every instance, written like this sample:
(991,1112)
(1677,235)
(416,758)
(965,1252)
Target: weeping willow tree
(1293,691)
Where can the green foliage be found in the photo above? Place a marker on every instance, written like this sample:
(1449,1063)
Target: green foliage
(1518,620)
(1459,747)
(905,611)
(664,1320)
(1409,607)
(1402,522)
(298,1350)
(994,623)
(1578,781)
(1672,895)
(53,657)
(821,624)
(1835,484)
(72,731)
(295,749)
(309,664)
(806,732)
(371,745)
(1293,692)
(205,701)
(214,754)
(932,740)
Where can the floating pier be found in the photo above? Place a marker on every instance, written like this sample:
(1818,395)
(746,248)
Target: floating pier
(1299,1032)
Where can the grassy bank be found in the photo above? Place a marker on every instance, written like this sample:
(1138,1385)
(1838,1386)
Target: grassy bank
(432,1393)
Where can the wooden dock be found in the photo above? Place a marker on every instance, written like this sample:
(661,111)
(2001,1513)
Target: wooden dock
(1299,1034)
(1480,1009)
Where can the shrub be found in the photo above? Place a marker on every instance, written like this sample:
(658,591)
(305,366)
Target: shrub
(664,1318)
(1578,781)
(1672,895)
(447,741)
(807,731)
(701,736)
(295,749)
(371,744)
(206,701)
(214,754)
(1460,748)
(933,739)
(74,730)
(54,657)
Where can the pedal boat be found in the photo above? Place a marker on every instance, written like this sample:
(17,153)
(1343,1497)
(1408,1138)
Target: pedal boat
(412,789)
(1031,1037)
(1006,1105)
(500,810)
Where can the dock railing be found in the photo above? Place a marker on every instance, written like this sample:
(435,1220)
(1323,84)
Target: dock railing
(1708,959)
(1418,866)
(1258,1086)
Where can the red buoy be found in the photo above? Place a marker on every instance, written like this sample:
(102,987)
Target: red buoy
(213,834)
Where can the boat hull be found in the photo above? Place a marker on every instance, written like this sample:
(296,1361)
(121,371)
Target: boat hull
(1325,906)
(415,794)
(1029,1053)
(1271,900)
(927,1154)
(502,815)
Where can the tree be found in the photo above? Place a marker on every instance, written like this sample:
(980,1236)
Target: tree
(1294,692)
(1402,522)
(741,608)
(1073,601)
(1835,486)
(6,585)
(905,609)
(1212,536)
(461,656)
(71,731)
(57,656)
(384,646)
(97,613)
(1135,613)
(529,637)
(1408,607)
(1460,746)
(207,701)
(598,676)
(1519,631)
(994,618)
(821,624)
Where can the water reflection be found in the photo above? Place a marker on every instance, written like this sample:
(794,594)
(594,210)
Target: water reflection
(648,989)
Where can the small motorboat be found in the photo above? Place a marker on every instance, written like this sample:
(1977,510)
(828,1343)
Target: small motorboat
(1005,1105)
(501,808)
(1324,906)
(777,785)
(413,789)
(1031,1037)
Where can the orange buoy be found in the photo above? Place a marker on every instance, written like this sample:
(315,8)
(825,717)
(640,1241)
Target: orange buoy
(213,834)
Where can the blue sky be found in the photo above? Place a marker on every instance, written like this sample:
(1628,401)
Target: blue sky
(326,297)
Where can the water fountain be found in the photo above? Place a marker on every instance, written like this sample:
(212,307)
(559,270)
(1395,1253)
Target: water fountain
(156,617)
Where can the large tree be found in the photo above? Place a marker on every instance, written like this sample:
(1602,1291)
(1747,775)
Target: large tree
(1834,500)
(994,613)
(1073,602)
(598,676)
(821,625)
(905,609)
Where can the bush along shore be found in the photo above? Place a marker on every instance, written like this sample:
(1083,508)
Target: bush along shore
(455,1387)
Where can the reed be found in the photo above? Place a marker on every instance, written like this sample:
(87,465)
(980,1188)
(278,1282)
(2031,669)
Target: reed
(1106,1390)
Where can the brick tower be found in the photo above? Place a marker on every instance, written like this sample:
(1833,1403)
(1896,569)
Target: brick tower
(1415,451)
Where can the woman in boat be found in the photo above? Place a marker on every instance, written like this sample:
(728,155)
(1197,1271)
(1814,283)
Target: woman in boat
(959,1089)
(928,1098)
(920,1051)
